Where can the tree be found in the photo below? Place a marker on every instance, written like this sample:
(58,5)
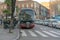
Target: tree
(7,12)
(11,7)
(8,2)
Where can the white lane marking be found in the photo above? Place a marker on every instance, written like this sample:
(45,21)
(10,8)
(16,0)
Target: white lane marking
(50,34)
(41,28)
(23,33)
(32,33)
(55,32)
(41,33)
(17,35)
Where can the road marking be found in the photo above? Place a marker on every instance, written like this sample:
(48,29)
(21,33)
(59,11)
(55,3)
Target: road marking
(32,33)
(23,33)
(55,32)
(17,35)
(41,34)
(41,28)
(50,34)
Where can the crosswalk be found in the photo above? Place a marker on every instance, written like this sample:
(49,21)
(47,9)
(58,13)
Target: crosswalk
(37,33)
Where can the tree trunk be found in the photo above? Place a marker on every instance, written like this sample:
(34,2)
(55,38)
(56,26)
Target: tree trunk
(6,16)
(11,25)
(12,12)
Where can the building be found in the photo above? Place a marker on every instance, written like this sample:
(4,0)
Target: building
(46,4)
(44,12)
(3,6)
(40,10)
(29,4)
(54,8)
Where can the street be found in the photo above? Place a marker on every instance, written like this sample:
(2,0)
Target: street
(40,33)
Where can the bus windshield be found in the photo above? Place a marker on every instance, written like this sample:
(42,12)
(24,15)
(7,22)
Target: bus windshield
(27,14)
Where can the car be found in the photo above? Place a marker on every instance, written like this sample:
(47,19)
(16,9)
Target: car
(36,21)
(39,22)
(52,22)
(57,25)
(46,22)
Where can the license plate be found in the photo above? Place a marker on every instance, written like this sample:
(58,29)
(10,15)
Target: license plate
(27,24)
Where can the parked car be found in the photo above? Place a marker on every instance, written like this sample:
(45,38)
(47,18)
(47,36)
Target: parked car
(36,21)
(57,25)
(41,22)
(46,22)
(52,22)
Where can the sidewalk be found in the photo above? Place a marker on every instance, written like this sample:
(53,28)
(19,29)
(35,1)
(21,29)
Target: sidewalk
(5,35)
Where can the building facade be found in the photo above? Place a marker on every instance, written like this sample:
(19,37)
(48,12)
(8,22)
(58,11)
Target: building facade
(54,7)
(41,11)
(3,6)
(44,12)
(29,4)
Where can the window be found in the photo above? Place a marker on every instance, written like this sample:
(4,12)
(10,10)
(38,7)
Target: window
(4,7)
(58,7)
(23,5)
(27,5)
(35,5)
(31,5)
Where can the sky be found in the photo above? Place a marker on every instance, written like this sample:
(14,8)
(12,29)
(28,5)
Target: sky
(1,0)
(34,0)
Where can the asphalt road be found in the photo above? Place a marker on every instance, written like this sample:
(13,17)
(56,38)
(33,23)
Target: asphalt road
(40,33)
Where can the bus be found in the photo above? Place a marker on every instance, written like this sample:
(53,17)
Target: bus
(26,18)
